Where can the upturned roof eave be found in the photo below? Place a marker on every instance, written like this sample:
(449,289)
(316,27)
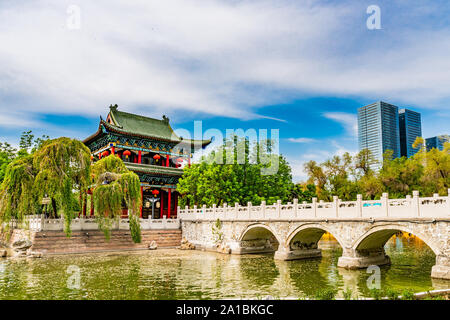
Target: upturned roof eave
(153,170)
(116,129)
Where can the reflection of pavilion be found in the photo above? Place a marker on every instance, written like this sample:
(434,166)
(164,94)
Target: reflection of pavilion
(150,148)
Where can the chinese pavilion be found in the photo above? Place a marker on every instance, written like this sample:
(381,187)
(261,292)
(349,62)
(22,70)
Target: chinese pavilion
(150,148)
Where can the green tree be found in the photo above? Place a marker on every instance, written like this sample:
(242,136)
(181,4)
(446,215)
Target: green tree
(116,187)
(400,176)
(237,172)
(27,145)
(436,163)
(55,170)
(317,177)
(7,155)
(346,176)
(363,160)
(62,165)
(303,192)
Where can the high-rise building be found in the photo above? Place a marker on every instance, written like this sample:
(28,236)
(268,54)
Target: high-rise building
(410,127)
(378,130)
(437,142)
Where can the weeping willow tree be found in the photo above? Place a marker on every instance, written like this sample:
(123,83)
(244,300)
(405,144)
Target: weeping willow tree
(57,169)
(62,166)
(16,198)
(116,187)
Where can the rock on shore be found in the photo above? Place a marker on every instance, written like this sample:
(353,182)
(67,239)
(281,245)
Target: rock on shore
(186,245)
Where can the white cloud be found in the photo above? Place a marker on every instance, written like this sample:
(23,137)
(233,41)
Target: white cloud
(333,148)
(347,120)
(301,140)
(12,119)
(218,57)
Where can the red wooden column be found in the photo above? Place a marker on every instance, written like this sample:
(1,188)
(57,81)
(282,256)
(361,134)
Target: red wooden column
(85,205)
(176,204)
(161,204)
(169,202)
(189,161)
(92,204)
(113,150)
(140,158)
(142,191)
(167,160)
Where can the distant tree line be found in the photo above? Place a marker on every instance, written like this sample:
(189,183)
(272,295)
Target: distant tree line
(346,176)
(209,182)
(28,145)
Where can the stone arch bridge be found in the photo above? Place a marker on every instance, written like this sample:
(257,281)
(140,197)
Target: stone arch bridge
(292,231)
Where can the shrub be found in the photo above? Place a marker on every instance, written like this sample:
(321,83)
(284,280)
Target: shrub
(392,294)
(325,294)
(375,294)
(348,294)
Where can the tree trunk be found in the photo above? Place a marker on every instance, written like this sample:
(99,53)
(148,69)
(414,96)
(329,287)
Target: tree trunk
(54,213)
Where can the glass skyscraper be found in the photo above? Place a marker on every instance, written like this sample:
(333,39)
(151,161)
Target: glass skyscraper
(437,142)
(410,127)
(378,130)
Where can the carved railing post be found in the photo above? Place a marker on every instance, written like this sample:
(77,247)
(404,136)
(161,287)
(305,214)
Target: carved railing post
(278,208)
(215,211)
(204,211)
(336,205)
(195,211)
(416,203)
(385,203)
(448,200)
(164,222)
(236,210)
(359,205)
(263,209)
(295,207)
(249,209)
(314,206)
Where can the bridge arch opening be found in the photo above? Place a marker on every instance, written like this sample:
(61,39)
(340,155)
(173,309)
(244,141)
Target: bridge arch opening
(308,237)
(303,243)
(378,237)
(370,248)
(258,238)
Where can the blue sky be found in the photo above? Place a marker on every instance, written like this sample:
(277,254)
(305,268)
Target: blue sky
(302,67)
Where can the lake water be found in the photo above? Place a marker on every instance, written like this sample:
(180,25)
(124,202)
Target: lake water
(176,274)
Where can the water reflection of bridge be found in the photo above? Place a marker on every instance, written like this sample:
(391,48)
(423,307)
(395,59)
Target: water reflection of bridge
(258,276)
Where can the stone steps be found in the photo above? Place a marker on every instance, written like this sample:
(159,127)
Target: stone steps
(56,242)
(102,239)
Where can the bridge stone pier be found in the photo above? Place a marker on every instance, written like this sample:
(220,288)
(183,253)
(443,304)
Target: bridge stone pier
(293,230)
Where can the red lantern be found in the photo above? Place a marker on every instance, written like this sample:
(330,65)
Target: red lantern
(127,153)
(155,192)
(156,157)
(105,153)
(92,157)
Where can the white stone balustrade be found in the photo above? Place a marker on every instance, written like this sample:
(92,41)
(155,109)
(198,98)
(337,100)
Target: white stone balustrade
(40,223)
(409,207)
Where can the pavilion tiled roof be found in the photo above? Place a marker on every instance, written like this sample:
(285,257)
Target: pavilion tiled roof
(144,127)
